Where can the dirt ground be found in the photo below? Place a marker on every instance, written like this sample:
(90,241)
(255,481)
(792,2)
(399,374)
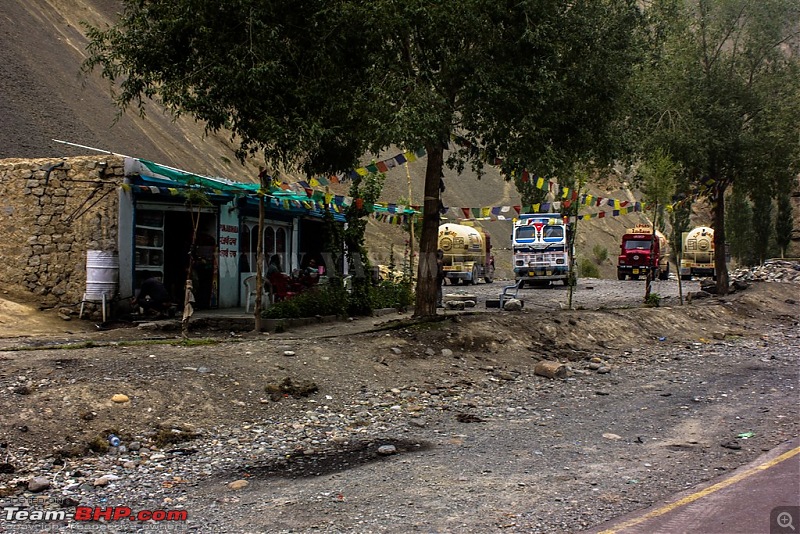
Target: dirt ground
(460,394)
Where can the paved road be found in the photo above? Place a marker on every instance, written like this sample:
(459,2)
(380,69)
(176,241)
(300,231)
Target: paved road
(761,497)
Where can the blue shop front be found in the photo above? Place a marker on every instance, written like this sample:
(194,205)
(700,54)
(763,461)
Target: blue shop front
(157,222)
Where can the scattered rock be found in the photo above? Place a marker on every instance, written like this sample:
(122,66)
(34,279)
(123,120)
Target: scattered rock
(120,398)
(550,369)
(37,484)
(609,435)
(105,480)
(512,305)
(447,353)
(238,484)
(387,450)
(288,387)
(468,418)
(732,444)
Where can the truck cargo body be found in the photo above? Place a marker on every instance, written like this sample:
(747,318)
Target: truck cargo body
(642,251)
(540,246)
(698,253)
(467,253)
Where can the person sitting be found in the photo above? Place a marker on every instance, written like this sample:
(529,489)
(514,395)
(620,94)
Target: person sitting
(274,265)
(153,298)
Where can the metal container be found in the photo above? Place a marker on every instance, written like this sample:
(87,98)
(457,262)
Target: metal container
(102,275)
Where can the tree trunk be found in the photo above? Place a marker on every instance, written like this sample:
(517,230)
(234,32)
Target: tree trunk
(428,242)
(720,267)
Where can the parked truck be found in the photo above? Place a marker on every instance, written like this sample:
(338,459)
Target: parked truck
(540,244)
(698,253)
(467,253)
(643,251)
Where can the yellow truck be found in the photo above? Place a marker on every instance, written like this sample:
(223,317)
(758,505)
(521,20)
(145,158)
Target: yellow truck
(697,258)
(467,253)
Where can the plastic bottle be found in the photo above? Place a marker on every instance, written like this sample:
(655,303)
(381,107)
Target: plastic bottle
(113,440)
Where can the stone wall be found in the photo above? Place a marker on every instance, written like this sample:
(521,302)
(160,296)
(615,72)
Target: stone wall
(51,212)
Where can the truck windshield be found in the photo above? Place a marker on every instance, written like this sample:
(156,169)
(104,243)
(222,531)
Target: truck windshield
(637,244)
(526,232)
(553,231)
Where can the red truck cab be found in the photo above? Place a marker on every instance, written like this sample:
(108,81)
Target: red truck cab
(640,252)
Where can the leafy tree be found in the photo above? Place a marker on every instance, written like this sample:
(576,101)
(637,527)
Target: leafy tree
(762,227)
(658,173)
(314,85)
(721,94)
(784,222)
(680,212)
(365,191)
(739,226)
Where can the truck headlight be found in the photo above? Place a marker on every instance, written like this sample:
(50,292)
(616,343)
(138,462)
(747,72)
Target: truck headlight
(560,261)
(519,263)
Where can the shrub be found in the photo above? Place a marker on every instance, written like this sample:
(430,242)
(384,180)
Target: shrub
(392,294)
(587,268)
(334,299)
(600,254)
(653,300)
(329,299)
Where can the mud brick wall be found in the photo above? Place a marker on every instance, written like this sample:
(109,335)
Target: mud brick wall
(51,212)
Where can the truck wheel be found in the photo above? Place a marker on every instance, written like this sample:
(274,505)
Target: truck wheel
(488,276)
(474,279)
(620,275)
(634,277)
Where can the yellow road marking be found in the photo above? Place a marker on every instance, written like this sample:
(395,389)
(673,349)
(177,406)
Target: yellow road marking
(702,493)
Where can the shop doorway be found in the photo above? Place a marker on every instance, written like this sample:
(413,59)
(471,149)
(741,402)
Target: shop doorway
(205,267)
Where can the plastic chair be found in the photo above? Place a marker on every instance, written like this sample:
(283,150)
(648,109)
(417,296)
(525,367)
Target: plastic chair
(250,287)
(280,287)
(505,295)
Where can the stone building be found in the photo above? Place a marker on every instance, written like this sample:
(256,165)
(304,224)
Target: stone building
(56,215)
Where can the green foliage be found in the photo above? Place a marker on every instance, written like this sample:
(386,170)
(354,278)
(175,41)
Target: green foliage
(763,229)
(365,191)
(653,300)
(600,254)
(588,269)
(720,95)
(328,299)
(333,299)
(392,294)
(739,227)
(658,174)
(680,212)
(784,222)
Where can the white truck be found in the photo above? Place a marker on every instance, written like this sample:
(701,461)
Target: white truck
(540,244)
